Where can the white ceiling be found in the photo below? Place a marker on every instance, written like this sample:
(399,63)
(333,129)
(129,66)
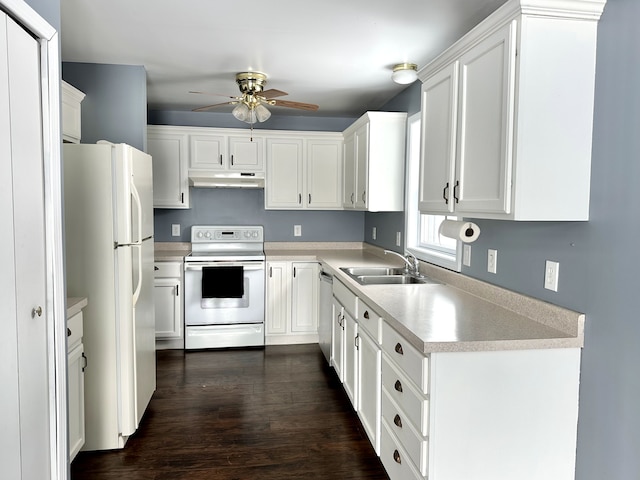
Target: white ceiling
(334,53)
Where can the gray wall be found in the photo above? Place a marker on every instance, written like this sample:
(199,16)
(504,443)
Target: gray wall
(47,9)
(115,106)
(388,223)
(598,271)
(233,206)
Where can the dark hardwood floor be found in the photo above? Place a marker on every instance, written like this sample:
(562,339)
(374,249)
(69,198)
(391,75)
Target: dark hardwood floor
(273,413)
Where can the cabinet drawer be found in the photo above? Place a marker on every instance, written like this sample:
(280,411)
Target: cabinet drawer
(167,269)
(369,320)
(74,331)
(395,459)
(414,405)
(346,297)
(413,363)
(414,443)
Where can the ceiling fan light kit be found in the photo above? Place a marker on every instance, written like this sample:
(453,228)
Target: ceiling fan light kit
(405,73)
(251,105)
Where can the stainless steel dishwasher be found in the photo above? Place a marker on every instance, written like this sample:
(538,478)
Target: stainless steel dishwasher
(325,317)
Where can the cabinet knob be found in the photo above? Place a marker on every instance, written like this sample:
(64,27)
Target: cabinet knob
(36,311)
(396,456)
(68,332)
(398,386)
(366,314)
(455,191)
(397,420)
(398,349)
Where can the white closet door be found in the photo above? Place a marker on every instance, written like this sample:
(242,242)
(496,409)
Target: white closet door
(24,340)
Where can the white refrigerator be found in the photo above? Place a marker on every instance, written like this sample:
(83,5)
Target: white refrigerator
(108,209)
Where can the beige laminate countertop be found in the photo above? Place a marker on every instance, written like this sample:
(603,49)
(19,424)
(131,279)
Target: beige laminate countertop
(461,314)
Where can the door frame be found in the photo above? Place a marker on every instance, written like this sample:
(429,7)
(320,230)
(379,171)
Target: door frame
(55,308)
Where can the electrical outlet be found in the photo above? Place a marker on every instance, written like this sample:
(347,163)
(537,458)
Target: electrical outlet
(492,261)
(398,239)
(175,230)
(374,233)
(466,255)
(551,275)
(297,230)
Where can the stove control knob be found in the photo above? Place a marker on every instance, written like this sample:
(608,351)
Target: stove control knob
(208,234)
(255,234)
(199,234)
(247,234)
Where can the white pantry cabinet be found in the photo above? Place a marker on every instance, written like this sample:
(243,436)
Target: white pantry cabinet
(168,300)
(507,115)
(168,147)
(373,167)
(292,302)
(71,113)
(304,171)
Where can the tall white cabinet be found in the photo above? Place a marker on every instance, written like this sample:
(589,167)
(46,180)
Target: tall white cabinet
(33,374)
(507,115)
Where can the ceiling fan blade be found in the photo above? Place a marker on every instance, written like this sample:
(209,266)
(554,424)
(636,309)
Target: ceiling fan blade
(209,107)
(273,93)
(302,106)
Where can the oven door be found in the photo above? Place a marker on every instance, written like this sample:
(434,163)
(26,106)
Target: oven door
(212,309)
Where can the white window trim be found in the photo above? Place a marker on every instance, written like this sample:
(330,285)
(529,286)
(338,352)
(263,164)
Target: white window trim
(430,255)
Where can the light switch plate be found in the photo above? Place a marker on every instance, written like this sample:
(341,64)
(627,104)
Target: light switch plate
(297,230)
(398,239)
(175,229)
(492,261)
(551,275)
(466,255)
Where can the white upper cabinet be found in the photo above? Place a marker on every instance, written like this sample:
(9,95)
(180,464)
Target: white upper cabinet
(246,153)
(304,171)
(374,157)
(168,148)
(208,152)
(507,116)
(224,149)
(71,112)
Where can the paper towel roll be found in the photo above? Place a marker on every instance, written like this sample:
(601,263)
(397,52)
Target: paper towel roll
(466,232)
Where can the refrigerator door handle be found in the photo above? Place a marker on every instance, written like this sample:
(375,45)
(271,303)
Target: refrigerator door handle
(136,292)
(136,197)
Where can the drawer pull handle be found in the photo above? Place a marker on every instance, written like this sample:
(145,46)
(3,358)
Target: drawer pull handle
(399,349)
(366,314)
(396,456)
(68,332)
(398,386)
(397,420)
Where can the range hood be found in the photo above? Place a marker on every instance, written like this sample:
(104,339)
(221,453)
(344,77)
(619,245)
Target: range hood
(227,180)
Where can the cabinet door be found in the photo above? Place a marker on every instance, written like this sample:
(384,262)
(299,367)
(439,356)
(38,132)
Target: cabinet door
(246,154)
(284,174)
(324,174)
(362,165)
(170,182)
(485,123)
(75,392)
(278,303)
(438,141)
(207,152)
(168,307)
(349,172)
(369,387)
(337,339)
(351,359)
(304,297)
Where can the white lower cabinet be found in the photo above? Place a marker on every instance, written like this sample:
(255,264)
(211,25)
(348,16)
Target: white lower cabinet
(369,357)
(168,300)
(292,302)
(337,339)
(350,363)
(76,362)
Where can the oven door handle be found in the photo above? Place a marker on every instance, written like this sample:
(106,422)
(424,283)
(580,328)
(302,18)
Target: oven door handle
(246,266)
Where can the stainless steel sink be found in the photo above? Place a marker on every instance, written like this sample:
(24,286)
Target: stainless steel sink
(358,271)
(385,276)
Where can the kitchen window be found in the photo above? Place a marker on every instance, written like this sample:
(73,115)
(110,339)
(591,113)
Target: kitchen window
(422,238)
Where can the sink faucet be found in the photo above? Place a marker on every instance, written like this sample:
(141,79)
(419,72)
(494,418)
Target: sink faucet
(413,267)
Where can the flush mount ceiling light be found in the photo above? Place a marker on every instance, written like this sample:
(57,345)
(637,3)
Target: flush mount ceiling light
(405,73)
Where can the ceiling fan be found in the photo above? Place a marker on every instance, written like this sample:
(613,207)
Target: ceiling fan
(251,105)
